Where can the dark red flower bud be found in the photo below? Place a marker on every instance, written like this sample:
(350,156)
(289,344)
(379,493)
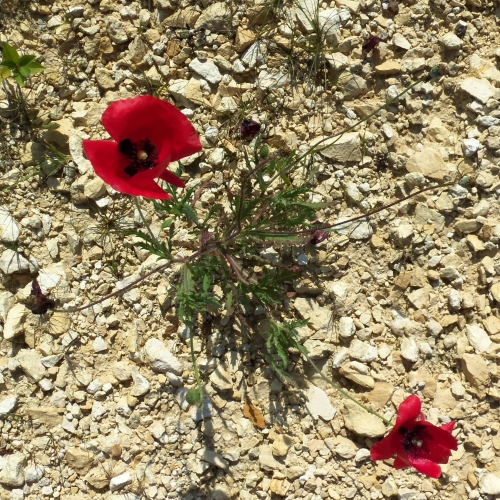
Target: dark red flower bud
(371,44)
(249,129)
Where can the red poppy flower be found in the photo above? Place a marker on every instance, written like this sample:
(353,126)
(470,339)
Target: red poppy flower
(416,443)
(148,134)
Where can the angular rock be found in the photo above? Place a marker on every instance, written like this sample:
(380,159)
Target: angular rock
(157,355)
(30,362)
(319,317)
(14,323)
(9,230)
(12,473)
(361,422)
(429,163)
(206,69)
(215,17)
(79,460)
(140,386)
(341,149)
(363,351)
(351,85)
(8,405)
(479,88)
(476,371)
(318,404)
(213,458)
(478,338)
(12,262)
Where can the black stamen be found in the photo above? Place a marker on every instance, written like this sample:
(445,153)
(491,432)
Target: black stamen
(132,150)
(413,440)
(127,148)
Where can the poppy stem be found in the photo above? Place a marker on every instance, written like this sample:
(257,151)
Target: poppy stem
(345,393)
(145,222)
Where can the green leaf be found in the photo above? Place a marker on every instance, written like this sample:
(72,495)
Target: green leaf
(51,126)
(34,67)
(18,78)
(9,64)
(24,72)
(166,223)
(25,60)
(4,72)
(190,213)
(264,151)
(10,53)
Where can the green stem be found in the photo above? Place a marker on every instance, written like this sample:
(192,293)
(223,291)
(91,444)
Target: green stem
(144,221)
(345,393)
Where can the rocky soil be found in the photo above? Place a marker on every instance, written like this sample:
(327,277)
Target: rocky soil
(92,405)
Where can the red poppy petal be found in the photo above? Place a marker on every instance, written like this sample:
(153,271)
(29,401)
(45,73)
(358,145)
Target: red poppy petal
(442,437)
(383,449)
(171,178)
(425,466)
(109,164)
(399,463)
(409,409)
(148,117)
(448,427)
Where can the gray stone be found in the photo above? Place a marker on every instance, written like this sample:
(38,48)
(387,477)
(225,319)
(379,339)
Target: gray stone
(8,405)
(409,349)
(14,323)
(213,458)
(479,88)
(347,328)
(30,362)
(342,149)
(490,484)
(12,473)
(206,69)
(141,385)
(361,231)
(137,49)
(34,473)
(351,85)
(12,262)
(363,351)
(470,147)
(361,422)
(318,404)
(9,230)
(478,338)
(160,359)
(116,31)
(216,17)
(7,301)
(451,41)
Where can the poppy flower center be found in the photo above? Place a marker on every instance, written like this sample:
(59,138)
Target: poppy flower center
(143,155)
(413,440)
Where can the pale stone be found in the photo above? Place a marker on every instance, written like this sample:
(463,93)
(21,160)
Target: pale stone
(216,17)
(158,356)
(9,230)
(213,458)
(119,482)
(342,149)
(479,88)
(8,405)
(389,67)
(429,163)
(361,422)
(281,445)
(490,484)
(14,323)
(318,404)
(12,472)
(30,362)
(478,338)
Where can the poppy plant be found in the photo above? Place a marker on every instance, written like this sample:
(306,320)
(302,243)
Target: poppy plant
(147,134)
(416,442)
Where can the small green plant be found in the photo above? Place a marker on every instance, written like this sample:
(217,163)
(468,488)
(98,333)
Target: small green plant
(19,67)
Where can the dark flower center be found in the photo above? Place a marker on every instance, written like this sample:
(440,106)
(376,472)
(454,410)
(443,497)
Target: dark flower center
(143,154)
(414,440)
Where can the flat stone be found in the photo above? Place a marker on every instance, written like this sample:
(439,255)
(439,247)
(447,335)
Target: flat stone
(363,351)
(429,163)
(51,417)
(358,420)
(12,262)
(425,215)
(318,404)
(341,149)
(451,41)
(352,372)
(319,317)
(14,323)
(140,385)
(409,349)
(476,371)
(206,69)
(213,458)
(104,79)
(478,338)
(401,42)
(216,17)
(9,230)
(30,362)
(79,460)
(187,16)
(479,88)
(12,472)
(390,67)
(380,394)
(351,85)
(244,38)
(281,445)
(160,359)
(8,405)
(490,484)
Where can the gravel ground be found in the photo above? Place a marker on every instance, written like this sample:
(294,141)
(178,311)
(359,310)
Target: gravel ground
(92,404)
